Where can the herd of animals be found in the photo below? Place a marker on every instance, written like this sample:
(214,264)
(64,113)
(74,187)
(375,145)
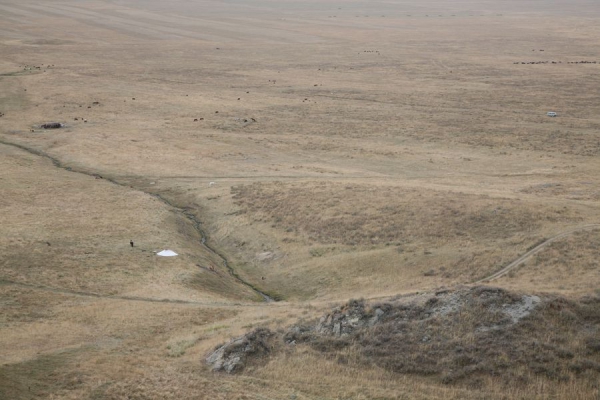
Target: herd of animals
(557,62)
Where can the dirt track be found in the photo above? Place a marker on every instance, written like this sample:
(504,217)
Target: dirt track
(126,298)
(536,250)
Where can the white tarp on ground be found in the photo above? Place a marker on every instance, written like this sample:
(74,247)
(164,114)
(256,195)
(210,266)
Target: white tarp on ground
(166,253)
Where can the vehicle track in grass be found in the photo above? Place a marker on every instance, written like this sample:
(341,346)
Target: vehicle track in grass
(535,250)
(117,297)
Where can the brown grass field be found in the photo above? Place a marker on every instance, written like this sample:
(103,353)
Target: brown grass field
(311,151)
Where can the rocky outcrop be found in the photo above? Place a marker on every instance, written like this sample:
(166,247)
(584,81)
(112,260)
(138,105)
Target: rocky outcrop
(457,335)
(344,320)
(233,356)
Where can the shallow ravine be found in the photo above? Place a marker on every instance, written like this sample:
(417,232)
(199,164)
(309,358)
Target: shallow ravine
(188,215)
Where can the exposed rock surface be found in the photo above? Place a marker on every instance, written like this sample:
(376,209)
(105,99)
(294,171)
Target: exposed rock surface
(522,308)
(459,335)
(231,357)
(344,320)
(494,300)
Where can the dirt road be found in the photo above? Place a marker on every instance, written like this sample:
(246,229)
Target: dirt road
(536,250)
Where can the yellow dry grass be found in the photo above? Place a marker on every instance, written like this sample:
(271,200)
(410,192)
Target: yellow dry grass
(357,150)
(566,266)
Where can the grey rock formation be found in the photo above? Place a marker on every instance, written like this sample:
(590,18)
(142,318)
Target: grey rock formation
(232,357)
(345,320)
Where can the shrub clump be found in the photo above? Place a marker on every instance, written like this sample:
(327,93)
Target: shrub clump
(462,335)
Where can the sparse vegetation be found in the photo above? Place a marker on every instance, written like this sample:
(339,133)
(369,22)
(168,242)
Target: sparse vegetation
(468,337)
(178,348)
(317,152)
(353,215)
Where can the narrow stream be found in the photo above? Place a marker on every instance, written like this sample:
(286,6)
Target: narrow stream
(189,216)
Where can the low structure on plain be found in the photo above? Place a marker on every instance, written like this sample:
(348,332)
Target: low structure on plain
(166,253)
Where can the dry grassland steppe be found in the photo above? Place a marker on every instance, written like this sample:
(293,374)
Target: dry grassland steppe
(367,198)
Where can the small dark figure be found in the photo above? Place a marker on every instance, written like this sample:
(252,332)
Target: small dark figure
(131,243)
